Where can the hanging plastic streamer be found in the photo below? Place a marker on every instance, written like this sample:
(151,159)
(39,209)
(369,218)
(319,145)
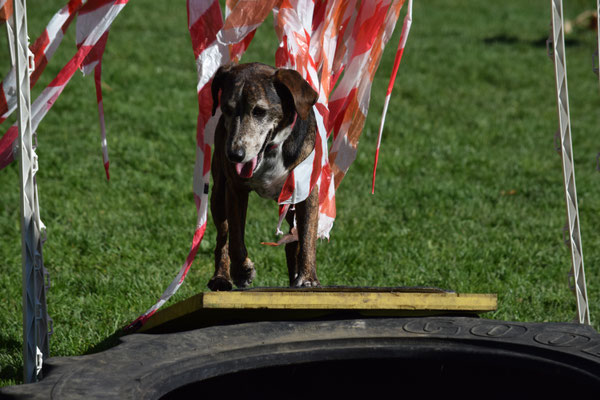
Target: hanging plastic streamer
(320,39)
(349,103)
(294,21)
(43,49)
(6,10)
(399,52)
(98,16)
(88,17)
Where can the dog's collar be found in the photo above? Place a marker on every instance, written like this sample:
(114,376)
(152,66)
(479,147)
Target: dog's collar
(273,146)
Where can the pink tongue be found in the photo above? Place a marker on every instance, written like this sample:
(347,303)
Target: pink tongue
(245,170)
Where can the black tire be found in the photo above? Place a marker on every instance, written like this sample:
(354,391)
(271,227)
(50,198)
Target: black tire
(428,357)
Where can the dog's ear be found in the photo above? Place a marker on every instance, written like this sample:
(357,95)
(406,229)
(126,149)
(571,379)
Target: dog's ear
(303,94)
(217,84)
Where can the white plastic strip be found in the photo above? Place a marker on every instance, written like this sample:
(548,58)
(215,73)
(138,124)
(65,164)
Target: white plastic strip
(577,273)
(35,317)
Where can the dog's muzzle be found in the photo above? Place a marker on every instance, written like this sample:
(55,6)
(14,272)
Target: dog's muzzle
(243,169)
(246,169)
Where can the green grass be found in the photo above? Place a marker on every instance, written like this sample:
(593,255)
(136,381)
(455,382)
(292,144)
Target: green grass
(469,190)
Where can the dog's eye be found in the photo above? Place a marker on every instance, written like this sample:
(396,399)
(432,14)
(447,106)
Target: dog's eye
(259,112)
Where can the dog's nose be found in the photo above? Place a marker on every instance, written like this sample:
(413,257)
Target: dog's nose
(236,155)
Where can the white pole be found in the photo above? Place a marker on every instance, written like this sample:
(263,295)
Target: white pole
(577,273)
(35,317)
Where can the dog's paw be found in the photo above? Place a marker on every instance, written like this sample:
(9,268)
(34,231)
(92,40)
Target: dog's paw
(302,281)
(243,275)
(219,283)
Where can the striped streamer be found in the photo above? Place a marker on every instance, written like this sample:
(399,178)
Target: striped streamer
(43,49)
(94,19)
(349,103)
(399,52)
(44,102)
(294,22)
(90,16)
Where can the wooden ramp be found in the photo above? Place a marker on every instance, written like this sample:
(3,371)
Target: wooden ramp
(275,304)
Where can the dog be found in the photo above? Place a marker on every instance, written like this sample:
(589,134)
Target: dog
(267,127)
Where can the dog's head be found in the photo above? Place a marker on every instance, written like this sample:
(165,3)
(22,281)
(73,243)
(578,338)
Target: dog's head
(259,103)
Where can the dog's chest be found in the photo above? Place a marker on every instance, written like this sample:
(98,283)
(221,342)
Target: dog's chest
(270,176)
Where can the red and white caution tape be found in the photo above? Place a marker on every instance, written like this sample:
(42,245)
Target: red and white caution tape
(6,141)
(44,102)
(88,17)
(94,19)
(349,103)
(399,52)
(294,23)
(43,49)
(204,22)
(5,10)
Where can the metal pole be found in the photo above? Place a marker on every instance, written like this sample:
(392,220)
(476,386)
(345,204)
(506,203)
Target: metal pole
(577,274)
(35,317)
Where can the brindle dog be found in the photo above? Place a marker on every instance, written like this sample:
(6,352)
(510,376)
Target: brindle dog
(267,128)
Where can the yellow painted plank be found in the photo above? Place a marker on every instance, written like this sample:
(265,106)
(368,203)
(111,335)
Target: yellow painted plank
(295,300)
(374,301)
(177,310)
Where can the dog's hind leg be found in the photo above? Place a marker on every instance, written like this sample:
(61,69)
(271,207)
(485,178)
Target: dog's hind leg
(242,268)
(307,221)
(221,279)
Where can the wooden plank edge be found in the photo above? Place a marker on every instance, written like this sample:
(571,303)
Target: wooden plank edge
(351,301)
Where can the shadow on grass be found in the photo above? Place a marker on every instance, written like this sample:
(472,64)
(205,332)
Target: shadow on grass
(109,342)
(504,39)
(12,371)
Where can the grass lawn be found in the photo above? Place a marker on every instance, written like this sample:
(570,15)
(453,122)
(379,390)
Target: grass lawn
(469,191)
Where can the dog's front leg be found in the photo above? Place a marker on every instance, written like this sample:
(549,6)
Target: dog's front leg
(307,221)
(242,268)
(221,279)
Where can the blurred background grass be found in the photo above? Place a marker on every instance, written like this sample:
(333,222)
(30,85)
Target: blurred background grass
(469,186)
